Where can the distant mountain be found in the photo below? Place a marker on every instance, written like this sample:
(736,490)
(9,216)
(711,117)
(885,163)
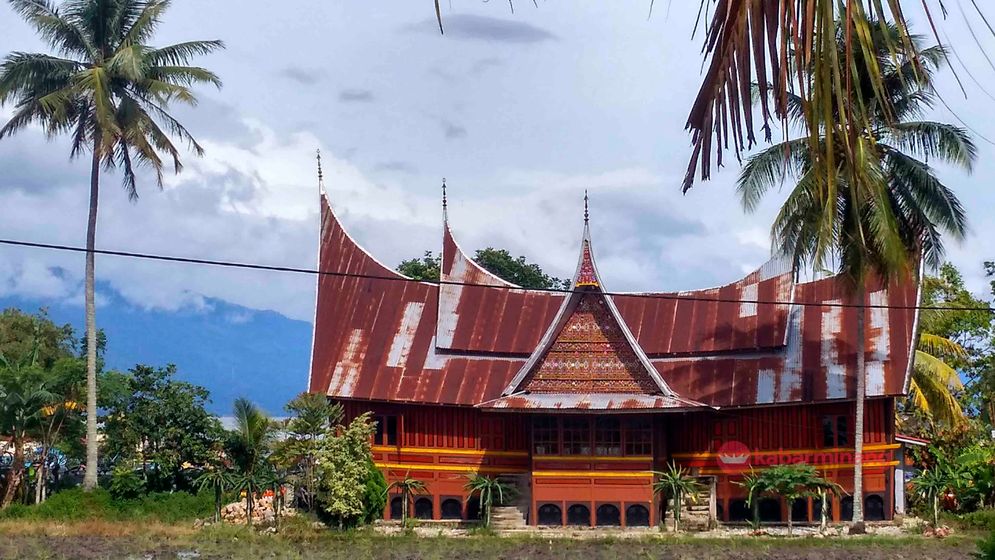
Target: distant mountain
(231,350)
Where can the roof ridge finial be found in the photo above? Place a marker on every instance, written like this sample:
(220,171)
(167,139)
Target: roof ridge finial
(587,213)
(321,176)
(445,202)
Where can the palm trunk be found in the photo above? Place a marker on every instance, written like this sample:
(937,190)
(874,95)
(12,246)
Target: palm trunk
(90,477)
(15,473)
(858,437)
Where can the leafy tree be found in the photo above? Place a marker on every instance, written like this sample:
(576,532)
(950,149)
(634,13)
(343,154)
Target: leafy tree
(24,394)
(161,424)
(862,202)
(518,271)
(61,418)
(110,91)
(408,487)
(312,418)
(343,463)
(249,445)
(23,334)
(791,482)
(489,491)
(27,338)
(674,484)
(426,269)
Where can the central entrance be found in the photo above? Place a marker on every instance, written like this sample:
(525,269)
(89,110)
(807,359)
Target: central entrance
(593,470)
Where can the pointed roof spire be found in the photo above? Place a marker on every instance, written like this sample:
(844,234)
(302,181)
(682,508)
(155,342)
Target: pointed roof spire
(587,214)
(586,274)
(445,203)
(321,176)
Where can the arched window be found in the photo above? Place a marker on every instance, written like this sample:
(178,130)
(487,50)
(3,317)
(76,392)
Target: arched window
(637,516)
(396,507)
(739,511)
(451,508)
(799,510)
(874,508)
(579,514)
(770,510)
(423,508)
(846,508)
(551,515)
(608,515)
(473,509)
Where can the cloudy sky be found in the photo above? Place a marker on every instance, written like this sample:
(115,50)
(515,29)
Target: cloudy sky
(520,112)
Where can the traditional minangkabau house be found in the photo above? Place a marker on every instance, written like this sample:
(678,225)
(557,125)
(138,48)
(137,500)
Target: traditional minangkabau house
(577,397)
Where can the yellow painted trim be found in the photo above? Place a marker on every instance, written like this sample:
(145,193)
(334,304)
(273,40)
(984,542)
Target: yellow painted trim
(446,451)
(594,474)
(709,454)
(448,468)
(589,458)
(817,467)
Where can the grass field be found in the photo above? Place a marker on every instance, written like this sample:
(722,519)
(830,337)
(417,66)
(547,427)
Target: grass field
(92,540)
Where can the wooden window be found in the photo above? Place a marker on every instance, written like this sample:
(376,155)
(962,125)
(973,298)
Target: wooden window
(576,436)
(386,431)
(639,437)
(545,436)
(607,436)
(835,431)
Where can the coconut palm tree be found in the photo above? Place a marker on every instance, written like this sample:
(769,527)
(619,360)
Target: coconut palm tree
(934,381)
(248,444)
(110,91)
(878,214)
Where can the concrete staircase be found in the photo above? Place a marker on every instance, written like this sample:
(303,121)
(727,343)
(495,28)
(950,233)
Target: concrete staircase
(700,515)
(507,518)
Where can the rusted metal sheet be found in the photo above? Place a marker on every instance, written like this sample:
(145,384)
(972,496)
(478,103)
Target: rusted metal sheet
(378,338)
(585,401)
(687,323)
(479,312)
(818,362)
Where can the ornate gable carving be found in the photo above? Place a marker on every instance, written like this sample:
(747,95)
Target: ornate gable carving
(590,354)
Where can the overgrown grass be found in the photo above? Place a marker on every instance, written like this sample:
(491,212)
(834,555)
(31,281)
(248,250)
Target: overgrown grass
(77,505)
(983,520)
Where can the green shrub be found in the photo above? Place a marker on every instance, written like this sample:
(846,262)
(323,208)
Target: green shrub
(982,519)
(169,507)
(75,505)
(375,499)
(126,484)
(986,548)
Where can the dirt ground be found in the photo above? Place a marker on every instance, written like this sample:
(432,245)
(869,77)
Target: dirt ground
(240,545)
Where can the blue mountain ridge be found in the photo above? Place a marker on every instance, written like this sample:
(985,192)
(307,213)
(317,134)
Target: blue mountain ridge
(231,350)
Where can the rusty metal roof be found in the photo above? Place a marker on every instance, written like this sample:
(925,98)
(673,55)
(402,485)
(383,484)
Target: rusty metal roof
(586,401)
(392,339)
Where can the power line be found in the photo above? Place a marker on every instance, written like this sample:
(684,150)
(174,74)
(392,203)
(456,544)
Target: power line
(313,271)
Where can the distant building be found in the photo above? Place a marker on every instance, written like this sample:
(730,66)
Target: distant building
(577,397)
